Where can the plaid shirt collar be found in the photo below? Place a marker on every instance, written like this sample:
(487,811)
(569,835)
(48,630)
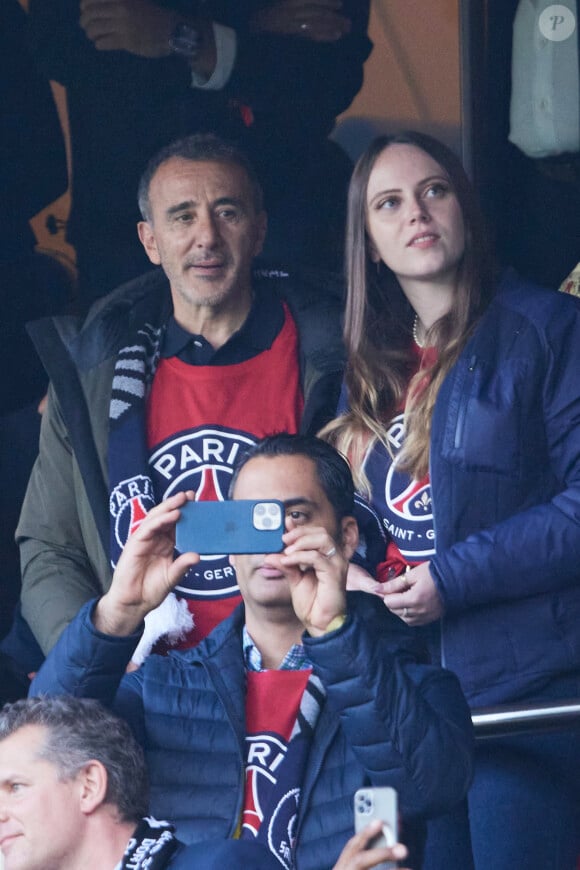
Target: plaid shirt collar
(294,660)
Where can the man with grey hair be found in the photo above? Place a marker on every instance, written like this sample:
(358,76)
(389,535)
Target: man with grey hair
(270,74)
(170,378)
(73,786)
(74,794)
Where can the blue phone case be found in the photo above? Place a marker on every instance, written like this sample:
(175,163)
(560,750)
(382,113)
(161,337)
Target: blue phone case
(215,528)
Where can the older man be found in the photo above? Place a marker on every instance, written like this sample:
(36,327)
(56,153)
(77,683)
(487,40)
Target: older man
(272,75)
(74,790)
(74,794)
(166,382)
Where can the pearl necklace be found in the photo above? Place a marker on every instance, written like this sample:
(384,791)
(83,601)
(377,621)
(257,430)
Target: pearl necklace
(420,344)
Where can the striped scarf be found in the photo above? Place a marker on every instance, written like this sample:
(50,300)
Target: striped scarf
(131,489)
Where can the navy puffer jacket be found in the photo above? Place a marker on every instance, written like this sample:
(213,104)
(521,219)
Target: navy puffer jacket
(388,719)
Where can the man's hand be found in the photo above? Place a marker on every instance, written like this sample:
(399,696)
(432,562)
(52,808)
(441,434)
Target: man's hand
(317,20)
(413,596)
(146,571)
(205,61)
(356,855)
(137,26)
(318,581)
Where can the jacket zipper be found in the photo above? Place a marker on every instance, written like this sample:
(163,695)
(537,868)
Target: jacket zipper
(442,619)
(463,406)
(235,831)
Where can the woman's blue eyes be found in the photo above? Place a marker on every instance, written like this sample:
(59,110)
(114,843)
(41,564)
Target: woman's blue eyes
(434,191)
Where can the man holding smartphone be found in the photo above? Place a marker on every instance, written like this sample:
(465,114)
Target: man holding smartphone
(167,382)
(305,694)
(74,793)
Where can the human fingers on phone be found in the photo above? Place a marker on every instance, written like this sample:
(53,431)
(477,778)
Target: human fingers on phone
(357,856)
(163,515)
(180,566)
(306,537)
(314,547)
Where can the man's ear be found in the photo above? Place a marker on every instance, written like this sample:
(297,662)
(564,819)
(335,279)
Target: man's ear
(349,539)
(262,229)
(92,779)
(147,238)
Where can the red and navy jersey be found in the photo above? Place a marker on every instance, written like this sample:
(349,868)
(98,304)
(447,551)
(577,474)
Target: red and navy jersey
(402,504)
(275,758)
(199,420)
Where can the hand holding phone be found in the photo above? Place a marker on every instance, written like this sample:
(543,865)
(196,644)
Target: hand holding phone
(379,803)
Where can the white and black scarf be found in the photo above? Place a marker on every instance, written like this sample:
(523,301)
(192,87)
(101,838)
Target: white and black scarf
(150,847)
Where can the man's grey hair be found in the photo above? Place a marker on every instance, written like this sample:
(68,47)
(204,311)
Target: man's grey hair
(79,730)
(199,147)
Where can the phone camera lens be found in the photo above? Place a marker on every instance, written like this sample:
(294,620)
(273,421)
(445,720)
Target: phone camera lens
(260,510)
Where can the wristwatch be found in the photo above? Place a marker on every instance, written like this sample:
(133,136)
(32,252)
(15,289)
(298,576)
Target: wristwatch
(185,40)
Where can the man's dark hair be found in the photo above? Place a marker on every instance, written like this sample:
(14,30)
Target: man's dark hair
(199,147)
(80,730)
(332,470)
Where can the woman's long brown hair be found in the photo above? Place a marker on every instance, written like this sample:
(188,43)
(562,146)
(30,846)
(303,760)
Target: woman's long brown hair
(379,321)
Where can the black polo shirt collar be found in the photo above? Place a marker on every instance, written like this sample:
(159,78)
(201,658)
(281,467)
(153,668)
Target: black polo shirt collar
(256,334)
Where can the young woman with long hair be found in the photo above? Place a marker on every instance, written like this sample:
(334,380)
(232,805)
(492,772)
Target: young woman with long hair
(462,423)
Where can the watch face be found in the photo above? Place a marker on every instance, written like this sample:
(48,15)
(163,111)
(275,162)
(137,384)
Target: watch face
(185,40)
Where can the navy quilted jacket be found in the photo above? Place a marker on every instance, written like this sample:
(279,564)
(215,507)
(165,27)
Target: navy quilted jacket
(505,479)
(388,719)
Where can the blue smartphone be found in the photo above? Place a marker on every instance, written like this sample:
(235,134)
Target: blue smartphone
(215,528)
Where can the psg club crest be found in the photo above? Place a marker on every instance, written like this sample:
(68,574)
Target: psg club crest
(203,460)
(406,509)
(265,755)
(129,503)
(282,828)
